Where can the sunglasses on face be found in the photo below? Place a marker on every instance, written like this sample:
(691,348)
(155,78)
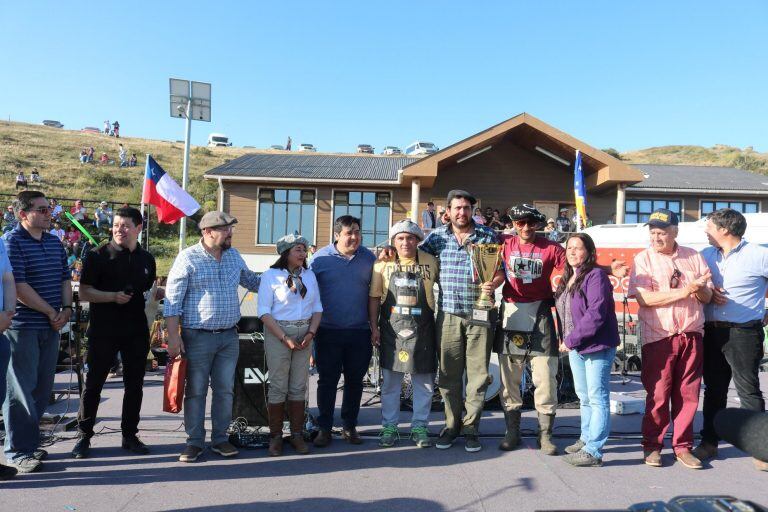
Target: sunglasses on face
(674,281)
(530,223)
(42,209)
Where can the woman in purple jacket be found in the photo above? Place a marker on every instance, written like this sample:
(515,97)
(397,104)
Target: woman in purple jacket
(590,335)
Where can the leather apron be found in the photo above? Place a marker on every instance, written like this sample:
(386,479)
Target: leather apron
(407,325)
(535,335)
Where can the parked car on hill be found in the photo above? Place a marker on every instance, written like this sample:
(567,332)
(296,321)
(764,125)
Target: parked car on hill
(365,148)
(53,124)
(307,147)
(421,148)
(91,129)
(277,146)
(218,139)
(391,150)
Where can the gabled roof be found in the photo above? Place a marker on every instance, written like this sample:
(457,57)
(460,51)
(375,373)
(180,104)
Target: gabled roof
(313,166)
(601,170)
(699,177)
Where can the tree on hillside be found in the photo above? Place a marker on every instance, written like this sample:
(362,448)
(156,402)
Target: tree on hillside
(614,153)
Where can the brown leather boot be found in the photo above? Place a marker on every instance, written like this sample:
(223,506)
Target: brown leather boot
(276,416)
(296,415)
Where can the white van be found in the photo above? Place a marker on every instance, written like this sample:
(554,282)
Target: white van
(218,139)
(421,148)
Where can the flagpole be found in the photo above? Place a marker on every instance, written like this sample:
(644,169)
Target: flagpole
(146,167)
(185,175)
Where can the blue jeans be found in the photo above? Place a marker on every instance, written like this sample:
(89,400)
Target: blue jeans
(423,385)
(5,357)
(591,378)
(346,352)
(209,357)
(30,377)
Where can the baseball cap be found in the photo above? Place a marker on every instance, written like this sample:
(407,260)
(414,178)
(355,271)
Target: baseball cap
(662,218)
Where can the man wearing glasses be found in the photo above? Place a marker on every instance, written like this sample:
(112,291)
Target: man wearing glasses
(671,284)
(44,306)
(201,297)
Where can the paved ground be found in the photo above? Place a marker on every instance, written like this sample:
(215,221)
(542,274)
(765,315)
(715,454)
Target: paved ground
(366,478)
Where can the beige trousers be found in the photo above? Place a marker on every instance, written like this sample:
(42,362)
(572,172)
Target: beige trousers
(544,370)
(288,369)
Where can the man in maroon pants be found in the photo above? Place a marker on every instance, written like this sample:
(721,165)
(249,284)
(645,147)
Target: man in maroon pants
(671,284)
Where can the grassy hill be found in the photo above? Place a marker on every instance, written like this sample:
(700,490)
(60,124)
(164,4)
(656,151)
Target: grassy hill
(719,155)
(54,152)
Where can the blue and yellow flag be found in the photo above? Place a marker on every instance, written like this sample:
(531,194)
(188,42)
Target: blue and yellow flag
(581,194)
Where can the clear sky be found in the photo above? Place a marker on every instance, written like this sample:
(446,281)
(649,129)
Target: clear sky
(335,74)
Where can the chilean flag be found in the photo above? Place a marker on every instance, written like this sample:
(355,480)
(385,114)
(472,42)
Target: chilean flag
(172,202)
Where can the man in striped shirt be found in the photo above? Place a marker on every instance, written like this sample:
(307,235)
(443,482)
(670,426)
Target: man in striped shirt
(44,306)
(201,297)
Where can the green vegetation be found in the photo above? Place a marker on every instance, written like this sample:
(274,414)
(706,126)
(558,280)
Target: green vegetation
(54,152)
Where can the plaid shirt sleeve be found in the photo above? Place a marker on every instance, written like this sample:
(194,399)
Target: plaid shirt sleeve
(176,287)
(248,278)
(433,244)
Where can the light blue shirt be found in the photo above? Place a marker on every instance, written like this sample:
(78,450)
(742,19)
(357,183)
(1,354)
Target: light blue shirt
(203,291)
(743,273)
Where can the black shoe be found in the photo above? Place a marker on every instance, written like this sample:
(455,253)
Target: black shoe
(82,448)
(7,472)
(133,444)
(446,439)
(190,453)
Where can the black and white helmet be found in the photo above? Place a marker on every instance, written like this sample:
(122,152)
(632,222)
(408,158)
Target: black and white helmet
(526,211)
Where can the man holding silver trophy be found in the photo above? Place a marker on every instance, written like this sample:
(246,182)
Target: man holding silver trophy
(469,273)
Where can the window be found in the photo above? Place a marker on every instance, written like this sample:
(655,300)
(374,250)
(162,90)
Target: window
(639,210)
(708,207)
(372,208)
(286,211)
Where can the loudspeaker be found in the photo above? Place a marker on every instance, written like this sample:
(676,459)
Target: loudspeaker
(251,382)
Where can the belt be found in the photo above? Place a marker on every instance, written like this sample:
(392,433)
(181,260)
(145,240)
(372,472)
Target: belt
(731,325)
(211,331)
(294,322)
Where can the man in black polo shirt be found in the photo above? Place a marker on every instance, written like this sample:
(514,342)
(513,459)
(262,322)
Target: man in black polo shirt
(113,281)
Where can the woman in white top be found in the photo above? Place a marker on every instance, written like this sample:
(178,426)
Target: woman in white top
(289,305)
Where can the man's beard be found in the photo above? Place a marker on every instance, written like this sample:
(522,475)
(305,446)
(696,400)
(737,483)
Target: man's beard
(226,244)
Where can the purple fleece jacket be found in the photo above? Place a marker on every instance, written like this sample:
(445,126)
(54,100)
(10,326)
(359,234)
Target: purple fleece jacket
(594,319)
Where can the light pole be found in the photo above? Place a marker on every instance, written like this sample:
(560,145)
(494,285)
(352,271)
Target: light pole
(191,100)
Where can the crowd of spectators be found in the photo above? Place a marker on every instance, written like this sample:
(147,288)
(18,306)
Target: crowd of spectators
(556,229)
(76,244)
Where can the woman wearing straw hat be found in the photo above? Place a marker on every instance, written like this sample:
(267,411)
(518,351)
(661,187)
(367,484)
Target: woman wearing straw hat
(289,305)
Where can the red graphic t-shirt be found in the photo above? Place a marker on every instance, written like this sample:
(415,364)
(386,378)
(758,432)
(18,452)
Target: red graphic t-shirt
(528,268)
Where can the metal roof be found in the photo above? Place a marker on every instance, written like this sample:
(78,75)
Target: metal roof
(358,167)
(700,177)
(314,166)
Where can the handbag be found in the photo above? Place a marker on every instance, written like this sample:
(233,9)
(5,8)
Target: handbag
(173,385)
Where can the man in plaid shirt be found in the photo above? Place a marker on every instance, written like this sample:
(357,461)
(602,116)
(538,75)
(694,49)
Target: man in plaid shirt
(201,297)
(463,346)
